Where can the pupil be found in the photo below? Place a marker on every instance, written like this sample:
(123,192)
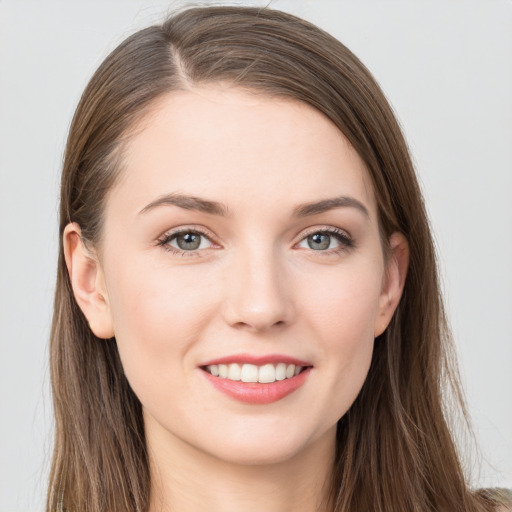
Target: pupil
(189,241)
(319,241)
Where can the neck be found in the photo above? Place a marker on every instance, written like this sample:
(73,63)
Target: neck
(184,479)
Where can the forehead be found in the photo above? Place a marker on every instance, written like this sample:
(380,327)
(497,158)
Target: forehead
(240,148)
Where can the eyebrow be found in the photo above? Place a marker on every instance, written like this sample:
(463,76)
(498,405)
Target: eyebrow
(214,208)
(188,203)
(304,210)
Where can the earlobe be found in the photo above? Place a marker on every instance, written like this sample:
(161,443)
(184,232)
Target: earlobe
(396,273)
(87,281)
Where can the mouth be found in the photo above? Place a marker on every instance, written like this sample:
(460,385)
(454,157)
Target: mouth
(246,372)
(260,381)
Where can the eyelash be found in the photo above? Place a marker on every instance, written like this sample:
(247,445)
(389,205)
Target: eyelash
(168,237)
(346,242)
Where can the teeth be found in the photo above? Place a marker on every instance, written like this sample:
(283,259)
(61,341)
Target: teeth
(281,371)
(251,373)
(234,372)
(267,373)
(223,371)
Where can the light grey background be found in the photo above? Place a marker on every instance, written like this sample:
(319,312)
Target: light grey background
(447,69)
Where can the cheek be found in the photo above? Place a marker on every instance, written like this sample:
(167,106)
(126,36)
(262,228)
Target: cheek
(343,304)
(341,313)
(158,312)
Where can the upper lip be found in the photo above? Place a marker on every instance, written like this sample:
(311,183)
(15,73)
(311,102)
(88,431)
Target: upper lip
(257,360)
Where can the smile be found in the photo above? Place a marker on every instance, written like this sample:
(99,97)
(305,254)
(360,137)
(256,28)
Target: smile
(257,380)
(265,374)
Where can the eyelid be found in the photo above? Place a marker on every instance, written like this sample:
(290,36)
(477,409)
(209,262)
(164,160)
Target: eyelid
(164,239)
(343,236)
(326,229)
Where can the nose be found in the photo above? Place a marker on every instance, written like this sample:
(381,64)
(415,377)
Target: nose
(259,295)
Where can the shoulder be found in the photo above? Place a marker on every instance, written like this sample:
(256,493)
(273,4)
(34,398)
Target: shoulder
(500,496)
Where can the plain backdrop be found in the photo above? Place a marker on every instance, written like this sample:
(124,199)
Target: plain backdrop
(446,67)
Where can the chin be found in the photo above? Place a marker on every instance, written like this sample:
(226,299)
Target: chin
(266,447)
(257,455)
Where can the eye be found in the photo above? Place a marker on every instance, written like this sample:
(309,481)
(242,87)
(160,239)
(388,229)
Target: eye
(185,242)
(327,240)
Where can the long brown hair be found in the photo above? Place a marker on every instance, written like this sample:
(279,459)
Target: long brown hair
(395,451)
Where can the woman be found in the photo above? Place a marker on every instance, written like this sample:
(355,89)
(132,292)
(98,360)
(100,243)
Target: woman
(247,310)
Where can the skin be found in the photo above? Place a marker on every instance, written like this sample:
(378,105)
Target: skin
(254,286)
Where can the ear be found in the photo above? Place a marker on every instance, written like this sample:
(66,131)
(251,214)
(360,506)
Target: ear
(394,281)
(87,281)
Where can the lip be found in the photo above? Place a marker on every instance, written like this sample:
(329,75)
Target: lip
(255,392)
(256,360)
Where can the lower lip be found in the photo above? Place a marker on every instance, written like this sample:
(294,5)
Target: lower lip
(255,392)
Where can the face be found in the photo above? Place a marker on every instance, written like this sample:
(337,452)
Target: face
(243,240)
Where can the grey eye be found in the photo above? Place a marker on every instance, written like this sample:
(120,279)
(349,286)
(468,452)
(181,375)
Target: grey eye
(189,241)
(319,241)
